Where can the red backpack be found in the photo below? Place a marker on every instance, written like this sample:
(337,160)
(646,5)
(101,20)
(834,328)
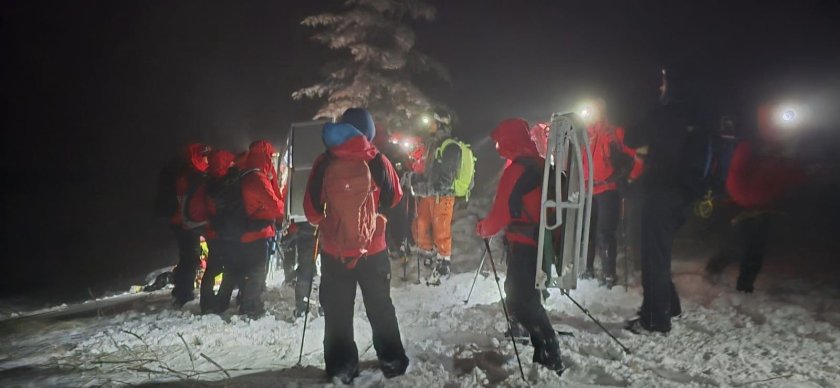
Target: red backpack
(350,208)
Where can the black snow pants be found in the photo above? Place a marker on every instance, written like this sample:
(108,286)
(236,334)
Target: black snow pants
(338,294)
(399,223)
(607,206)
(746,243)
(663,213)
(305,245)
(525,303)
(221,252)
(248,270)
(189,253)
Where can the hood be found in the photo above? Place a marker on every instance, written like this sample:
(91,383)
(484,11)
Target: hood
(259,156)
(220,161)
(514,139)
(345,141)
(362,120)
(195,154)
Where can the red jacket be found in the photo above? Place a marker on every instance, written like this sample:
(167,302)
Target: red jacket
(387,192)
(261,194)
(514,143)
(190,178)
(604,139)
(220,162)
(756,180)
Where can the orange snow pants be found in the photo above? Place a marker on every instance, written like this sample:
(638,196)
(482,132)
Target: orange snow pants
(432,227)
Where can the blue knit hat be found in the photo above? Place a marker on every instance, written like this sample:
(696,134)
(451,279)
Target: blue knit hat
(362,120)
(335,134)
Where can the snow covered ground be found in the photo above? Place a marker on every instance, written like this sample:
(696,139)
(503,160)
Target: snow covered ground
(786,334)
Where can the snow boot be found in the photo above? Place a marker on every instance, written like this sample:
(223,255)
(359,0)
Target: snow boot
(638,326)
(443,265)
(589,273)
(609,281)
(393,368)
(548,355)
(427,256)
(347,376)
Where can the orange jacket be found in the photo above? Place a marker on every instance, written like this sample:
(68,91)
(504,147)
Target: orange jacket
(261,194)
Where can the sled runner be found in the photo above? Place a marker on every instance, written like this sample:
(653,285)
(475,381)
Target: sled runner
(566,203)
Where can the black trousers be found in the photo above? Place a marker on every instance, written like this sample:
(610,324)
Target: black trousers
(399,223)
(221,252)
(248,270)
(524,301)
(189,253)
(338,293)
(606,208)
(663,213)
(745,243)
(304,247)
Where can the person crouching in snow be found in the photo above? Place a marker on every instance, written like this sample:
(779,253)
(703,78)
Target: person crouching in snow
(516,209)
(347,185)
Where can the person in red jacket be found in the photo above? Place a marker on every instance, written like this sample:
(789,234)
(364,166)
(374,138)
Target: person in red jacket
(343,266)
(263,204)
(516,210)
(613,165)
(187,230)
(759,177)
(220,163)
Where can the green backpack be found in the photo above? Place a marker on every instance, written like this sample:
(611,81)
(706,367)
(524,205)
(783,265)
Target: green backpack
(466,173)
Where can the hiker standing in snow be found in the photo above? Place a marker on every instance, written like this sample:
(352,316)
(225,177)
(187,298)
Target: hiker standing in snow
(759,176)
(177,182)
(516,210)
(613,163)
(435,193)
(220,163)
(670,182)
(250,219)
(348,185)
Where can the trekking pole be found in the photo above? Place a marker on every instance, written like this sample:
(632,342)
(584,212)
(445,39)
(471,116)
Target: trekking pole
(626,243)
(585,311)
(504,308)
(309,295)
(477,271)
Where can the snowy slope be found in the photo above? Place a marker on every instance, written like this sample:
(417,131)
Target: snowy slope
(786,334)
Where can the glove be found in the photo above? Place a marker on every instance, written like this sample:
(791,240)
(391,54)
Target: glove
(479,229)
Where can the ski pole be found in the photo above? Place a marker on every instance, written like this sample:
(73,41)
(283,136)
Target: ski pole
(626,244)
(585,311)
(477,271)
(309,295)
(504,308)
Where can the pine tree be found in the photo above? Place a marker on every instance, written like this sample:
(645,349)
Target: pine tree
(378,61)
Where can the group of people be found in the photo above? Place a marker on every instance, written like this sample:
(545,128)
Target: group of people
(236,202)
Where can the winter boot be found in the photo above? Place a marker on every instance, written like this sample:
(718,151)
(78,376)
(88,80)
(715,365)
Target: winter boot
(347,375)
(548,355)
(427,256)
(609,281)
(589,273)
(443,265)
(393,368)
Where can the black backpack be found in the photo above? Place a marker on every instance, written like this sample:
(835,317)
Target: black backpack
(231,219)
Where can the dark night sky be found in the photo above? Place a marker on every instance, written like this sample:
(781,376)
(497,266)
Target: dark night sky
(97,95)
